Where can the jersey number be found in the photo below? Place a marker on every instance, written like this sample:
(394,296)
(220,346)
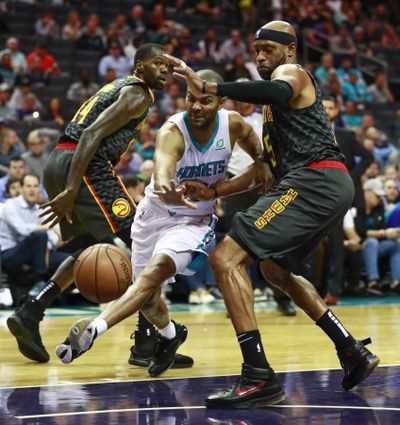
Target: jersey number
(269,151)
(84,110)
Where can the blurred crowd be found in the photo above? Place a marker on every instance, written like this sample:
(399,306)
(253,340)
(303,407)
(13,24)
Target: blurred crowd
(340,32)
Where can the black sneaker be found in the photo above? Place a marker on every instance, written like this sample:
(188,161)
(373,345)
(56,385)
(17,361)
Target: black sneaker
(256,387)
(142,352)
(165,350)
(357,362)
(24,325)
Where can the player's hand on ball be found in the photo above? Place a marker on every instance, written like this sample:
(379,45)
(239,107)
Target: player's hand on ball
(197,190)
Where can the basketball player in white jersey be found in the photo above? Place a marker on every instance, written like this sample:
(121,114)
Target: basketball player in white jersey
(170,233)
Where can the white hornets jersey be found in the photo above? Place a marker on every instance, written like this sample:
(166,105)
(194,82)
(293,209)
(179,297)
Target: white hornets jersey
(207,164)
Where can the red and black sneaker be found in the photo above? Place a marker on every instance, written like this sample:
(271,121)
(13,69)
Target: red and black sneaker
(357,362)
(256,387)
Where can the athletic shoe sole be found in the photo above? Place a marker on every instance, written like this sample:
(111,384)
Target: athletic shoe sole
(248,404)
(179,363)
(363,374)
(24,339)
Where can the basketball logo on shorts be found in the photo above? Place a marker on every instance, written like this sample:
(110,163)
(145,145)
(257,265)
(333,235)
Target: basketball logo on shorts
(121,207)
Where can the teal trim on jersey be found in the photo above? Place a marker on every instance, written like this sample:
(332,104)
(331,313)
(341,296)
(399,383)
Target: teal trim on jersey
(195,144)
(198,260)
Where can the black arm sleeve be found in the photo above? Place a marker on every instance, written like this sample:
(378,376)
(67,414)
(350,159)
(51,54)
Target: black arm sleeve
(257,92)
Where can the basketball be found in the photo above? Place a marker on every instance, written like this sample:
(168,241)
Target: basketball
(102,272)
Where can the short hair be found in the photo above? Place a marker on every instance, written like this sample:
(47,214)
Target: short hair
(11,181)
(329,98)
(145,50)
(29,175)
(16,159)
(210,76)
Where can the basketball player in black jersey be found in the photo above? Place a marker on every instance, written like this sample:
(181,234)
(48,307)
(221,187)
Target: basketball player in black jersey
(88,199)
(311,193)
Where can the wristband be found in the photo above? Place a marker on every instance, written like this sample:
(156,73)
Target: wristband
(203,87)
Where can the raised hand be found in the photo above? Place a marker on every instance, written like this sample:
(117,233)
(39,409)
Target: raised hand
(185,73)
(173,195)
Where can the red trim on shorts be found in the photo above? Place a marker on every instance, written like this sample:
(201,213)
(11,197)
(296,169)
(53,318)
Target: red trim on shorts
(100,203)
(328,164)
(66,145)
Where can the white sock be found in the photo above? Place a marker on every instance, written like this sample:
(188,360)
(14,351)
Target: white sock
(100,324)
(169,331)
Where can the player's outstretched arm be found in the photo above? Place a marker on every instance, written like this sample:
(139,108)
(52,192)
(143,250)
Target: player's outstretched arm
(132,102)
(169,149)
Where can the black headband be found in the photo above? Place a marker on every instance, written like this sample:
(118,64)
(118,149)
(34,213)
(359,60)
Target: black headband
(273,35)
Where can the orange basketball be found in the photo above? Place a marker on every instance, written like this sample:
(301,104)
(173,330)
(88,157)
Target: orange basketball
(102,272)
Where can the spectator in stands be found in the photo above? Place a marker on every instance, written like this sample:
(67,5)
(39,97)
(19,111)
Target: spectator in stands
(321,73)
(135,186)
(46,26)
(111,75)
(7,73)
(82,89)
(383,150)
(395,128)
(381,242)
(360,42)
(351,118)
(237,69)
(136,20)
(36,74)
(114,59)
(232,47)
(343,43)
(391,172)
(41,59)
(347,67)
(392,194)
(29,110)
(23,240)
(18,58)
(131,47)
(147,169)
(6,110)
(355,89)
(210,45)
(72,29)
(390,39)
(36,155)
(157,17)
(93,36)
(23,87)
(167,103)
(13,189)
(380,90)
(8,148)
(372,33)
(210,8)
(124,32)
(15,169)
(54,112)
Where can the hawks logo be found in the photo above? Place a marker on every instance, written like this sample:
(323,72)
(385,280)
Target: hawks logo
(121,207)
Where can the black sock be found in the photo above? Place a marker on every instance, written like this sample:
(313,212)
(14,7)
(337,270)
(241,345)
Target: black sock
(48,294)
(331,325)
(144,327)
(252,349)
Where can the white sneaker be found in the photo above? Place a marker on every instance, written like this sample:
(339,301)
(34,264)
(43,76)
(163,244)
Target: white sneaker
(194,298)
(206,297)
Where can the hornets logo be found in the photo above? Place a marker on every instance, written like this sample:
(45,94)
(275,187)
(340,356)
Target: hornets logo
(121,207)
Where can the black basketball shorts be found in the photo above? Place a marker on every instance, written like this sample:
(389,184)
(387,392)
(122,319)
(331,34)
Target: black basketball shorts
(102,207)
(287,223)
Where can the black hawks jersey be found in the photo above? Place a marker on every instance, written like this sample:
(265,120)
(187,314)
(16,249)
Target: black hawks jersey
(113,146)
(295,138)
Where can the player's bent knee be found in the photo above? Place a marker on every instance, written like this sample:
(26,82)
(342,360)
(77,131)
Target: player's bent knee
(275,274)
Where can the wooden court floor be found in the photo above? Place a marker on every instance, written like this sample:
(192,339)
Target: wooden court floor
(293,343)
